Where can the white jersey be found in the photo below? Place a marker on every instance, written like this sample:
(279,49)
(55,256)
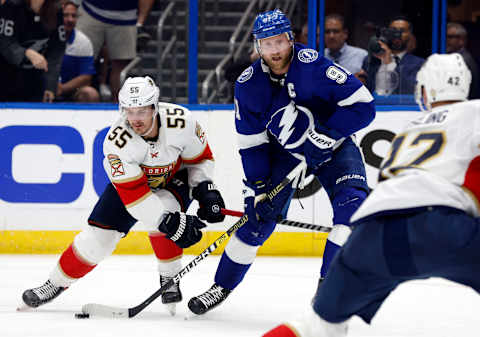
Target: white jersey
(138,168)
(434,162)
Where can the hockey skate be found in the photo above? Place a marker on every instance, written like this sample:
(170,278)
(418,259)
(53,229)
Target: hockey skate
(171,296)
(208,300)
(36,297)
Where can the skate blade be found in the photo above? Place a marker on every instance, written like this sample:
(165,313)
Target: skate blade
(23,307)
(189,315)
(172,308)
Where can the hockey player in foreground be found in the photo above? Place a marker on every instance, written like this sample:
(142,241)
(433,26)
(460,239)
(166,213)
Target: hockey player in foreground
(157,157)
(421,220)
(291,105)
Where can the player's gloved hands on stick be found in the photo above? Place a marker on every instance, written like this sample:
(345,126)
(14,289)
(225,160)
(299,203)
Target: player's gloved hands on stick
(182,229)
(210,201)
(263,207)
(318,147)
(249,201)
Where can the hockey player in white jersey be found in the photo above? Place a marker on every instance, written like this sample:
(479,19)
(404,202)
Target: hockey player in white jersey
(421,220)
(157,157)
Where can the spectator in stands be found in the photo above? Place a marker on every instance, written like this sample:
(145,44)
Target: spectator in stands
(302,37)
(456,42)
(117,24)
(393,69)
(32,44)
(336,48)
(78,65)
(103,67)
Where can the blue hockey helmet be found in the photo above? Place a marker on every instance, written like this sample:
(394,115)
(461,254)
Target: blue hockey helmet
(271,23)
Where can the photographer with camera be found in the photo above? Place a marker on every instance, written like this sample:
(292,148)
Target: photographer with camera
(390,68)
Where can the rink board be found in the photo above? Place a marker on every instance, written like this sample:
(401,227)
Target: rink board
(51,175)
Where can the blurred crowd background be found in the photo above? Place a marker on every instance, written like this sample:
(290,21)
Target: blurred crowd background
(82,50)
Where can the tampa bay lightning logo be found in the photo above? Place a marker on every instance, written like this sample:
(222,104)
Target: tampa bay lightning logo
(289,125)
(307,55)
(245,75)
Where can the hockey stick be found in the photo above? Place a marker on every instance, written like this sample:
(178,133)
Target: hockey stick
(291,223)
(117,312)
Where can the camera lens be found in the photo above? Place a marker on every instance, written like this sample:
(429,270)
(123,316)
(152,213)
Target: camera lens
(374,47)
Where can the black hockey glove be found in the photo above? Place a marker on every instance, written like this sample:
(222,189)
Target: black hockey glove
(210,201)
(182,229)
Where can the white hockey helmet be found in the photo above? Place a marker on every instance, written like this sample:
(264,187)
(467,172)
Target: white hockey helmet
(138,92)
(444,77)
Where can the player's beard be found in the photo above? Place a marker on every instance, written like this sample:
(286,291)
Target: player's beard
(280,64)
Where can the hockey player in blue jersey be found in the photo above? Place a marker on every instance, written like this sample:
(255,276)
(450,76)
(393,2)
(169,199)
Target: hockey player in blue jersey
(422,219)
(291,105)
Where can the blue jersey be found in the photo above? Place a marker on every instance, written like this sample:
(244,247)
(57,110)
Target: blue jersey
(115,12)
(314,92)
(78,59)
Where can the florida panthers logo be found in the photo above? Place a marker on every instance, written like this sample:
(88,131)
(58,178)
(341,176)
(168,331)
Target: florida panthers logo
(289,125)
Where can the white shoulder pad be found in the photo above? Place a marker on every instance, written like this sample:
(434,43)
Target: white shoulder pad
(307,55)
(122,141)
(177,123)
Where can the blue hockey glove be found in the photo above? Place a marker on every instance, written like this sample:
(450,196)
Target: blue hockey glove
(182,229)
(318,147)
(210,201)
(265,209)
(249,202)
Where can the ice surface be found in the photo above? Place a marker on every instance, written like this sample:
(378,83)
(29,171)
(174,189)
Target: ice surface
(274,290)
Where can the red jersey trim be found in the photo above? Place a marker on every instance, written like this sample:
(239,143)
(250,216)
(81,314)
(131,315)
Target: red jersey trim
(472,178)
(205,155)
(132,192)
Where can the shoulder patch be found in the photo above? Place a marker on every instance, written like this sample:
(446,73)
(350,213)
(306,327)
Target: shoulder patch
(200,133)
(245,76)
(336,74)
(307,55)
(116,165)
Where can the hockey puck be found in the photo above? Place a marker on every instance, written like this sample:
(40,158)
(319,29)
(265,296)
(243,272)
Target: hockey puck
(82,315)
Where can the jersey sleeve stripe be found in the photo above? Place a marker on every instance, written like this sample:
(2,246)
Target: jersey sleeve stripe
(248,141)
(127,180)
(205,155)
(133,192)
(472,179)
(362,95)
